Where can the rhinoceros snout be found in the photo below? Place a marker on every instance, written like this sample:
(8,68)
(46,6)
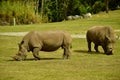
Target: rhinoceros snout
(109,53)
(18,58)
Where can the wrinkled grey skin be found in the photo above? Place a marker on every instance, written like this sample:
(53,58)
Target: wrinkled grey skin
(101,36)
(44,41)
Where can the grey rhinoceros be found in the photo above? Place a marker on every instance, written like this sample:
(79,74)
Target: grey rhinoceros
(44,41)
(101,36)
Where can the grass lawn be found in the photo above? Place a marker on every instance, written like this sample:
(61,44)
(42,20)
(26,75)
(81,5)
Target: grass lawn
(81,66)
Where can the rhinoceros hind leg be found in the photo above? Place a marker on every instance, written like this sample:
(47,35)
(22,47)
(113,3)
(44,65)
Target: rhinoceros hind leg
(96,48)
(36,53)
(66,53)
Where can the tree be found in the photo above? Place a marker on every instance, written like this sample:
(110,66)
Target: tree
(107,6)
(36,3)
(42,9)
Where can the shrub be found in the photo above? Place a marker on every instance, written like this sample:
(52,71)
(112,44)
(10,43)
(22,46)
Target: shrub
(24,14)
(98,6)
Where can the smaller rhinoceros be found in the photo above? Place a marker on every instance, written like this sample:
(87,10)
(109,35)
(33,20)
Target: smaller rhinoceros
(101,36)
(44,41)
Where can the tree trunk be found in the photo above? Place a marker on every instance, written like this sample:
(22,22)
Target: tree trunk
(36,6)
(107,6)
(42,9)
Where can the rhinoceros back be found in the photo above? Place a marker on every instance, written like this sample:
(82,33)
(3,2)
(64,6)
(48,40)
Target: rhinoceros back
(47,41)
(97,34)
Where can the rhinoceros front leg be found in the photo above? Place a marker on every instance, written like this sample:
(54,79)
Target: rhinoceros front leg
(36,53)
(96,48)
(89,46)
(104,48)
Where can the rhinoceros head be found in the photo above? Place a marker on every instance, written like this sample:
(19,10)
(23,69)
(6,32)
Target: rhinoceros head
(109,50)
(109,46)
(22,53)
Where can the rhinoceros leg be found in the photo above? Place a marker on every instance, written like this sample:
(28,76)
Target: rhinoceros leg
(89,46)
(36,53)
(66,53)
(104,48)
(96,48)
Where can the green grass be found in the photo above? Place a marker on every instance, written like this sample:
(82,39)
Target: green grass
(81,66)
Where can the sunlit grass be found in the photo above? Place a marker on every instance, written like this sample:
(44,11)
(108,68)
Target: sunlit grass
(81,65)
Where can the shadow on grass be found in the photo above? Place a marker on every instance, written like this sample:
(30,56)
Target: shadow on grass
(85,51)
(29,59)
(33,59)
(80,51)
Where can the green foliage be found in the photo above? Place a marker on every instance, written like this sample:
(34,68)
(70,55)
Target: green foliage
(98,6)
(82,9)
(113,4)
(58,12)
(24,14)
(30,11)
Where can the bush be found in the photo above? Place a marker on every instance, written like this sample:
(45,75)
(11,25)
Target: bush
(24,14)
(83,9)
(98,6)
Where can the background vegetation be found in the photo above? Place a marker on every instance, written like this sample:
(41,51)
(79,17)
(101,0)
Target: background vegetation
(81,66)
(111,19)
(37,11)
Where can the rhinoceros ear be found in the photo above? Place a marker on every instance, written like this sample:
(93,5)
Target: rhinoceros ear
(18,44)
(22,42)
(107,38)
(117,37)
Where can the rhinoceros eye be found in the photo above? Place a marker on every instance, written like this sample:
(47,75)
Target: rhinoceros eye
(22,42)
(19,54)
